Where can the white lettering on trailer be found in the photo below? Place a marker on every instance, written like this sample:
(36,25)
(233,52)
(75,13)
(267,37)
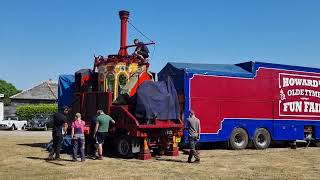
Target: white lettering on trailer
(297,106)
(303,92)
(300,82)
(311,107)
(293,106)
(285,82)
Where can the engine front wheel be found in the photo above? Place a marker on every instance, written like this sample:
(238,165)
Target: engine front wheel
(238,139)
(124,147)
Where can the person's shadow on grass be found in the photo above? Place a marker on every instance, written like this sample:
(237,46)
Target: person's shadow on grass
(39,145)
(171,160)
(52,162)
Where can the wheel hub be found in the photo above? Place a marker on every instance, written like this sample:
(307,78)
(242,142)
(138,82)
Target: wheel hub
(124,147)
(261,140)
(239,140)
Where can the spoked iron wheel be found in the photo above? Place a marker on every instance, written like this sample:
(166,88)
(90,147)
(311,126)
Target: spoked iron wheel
(124,147)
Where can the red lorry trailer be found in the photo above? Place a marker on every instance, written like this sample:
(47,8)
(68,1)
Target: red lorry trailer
(251,101)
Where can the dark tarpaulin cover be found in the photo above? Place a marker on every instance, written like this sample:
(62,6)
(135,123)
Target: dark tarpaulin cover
(86,80)
(66,88)
(178,71)
(157,100)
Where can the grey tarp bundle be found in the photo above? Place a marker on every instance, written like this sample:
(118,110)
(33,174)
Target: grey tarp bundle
(157,100)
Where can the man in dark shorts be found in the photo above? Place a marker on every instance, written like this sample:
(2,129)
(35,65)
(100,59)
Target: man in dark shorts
(59,122)
(101,130)
(92,145)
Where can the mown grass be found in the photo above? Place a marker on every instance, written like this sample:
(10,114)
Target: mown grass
(22,157)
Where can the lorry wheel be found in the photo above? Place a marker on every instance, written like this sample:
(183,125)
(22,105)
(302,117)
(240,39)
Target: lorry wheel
(23,127)
(238,139)
(261,139)
(124,147)
(317,143)
(13,127)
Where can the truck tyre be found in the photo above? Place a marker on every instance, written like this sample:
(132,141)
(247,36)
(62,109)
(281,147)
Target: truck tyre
(261,139)
(23,127)
(238,139)
(13,127)
(317,143)
(45,127)
(124,147)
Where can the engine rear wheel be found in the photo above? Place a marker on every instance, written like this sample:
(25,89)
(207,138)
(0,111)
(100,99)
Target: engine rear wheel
(124,147)
(261,139)
(238,139)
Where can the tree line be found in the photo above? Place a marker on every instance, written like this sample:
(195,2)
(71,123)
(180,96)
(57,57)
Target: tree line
(8,90)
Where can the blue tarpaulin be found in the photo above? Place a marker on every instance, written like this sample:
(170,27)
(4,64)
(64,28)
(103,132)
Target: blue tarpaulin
(177,71)
(66,146)
(66,88)
(157,100)
(210,68)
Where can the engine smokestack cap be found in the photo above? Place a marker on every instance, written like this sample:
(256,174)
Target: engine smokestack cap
(124,13)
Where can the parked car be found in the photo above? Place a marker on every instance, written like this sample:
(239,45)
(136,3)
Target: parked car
(40,122)
(13,123)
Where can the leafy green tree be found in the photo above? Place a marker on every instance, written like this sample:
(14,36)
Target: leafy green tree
(8,90)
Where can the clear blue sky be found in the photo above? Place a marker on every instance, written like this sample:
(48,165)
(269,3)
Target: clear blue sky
(40,39)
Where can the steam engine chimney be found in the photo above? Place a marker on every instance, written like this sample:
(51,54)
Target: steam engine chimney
(124,15)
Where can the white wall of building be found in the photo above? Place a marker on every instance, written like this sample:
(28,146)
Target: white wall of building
(1,107)
(1,111)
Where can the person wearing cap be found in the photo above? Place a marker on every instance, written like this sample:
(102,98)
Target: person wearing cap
(77,134)
(59,124)
(101,130)
(194,129)
(141,50)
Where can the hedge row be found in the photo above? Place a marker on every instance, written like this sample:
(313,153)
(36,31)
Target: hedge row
(27,112)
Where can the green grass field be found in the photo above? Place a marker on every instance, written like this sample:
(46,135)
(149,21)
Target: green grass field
(22,157)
